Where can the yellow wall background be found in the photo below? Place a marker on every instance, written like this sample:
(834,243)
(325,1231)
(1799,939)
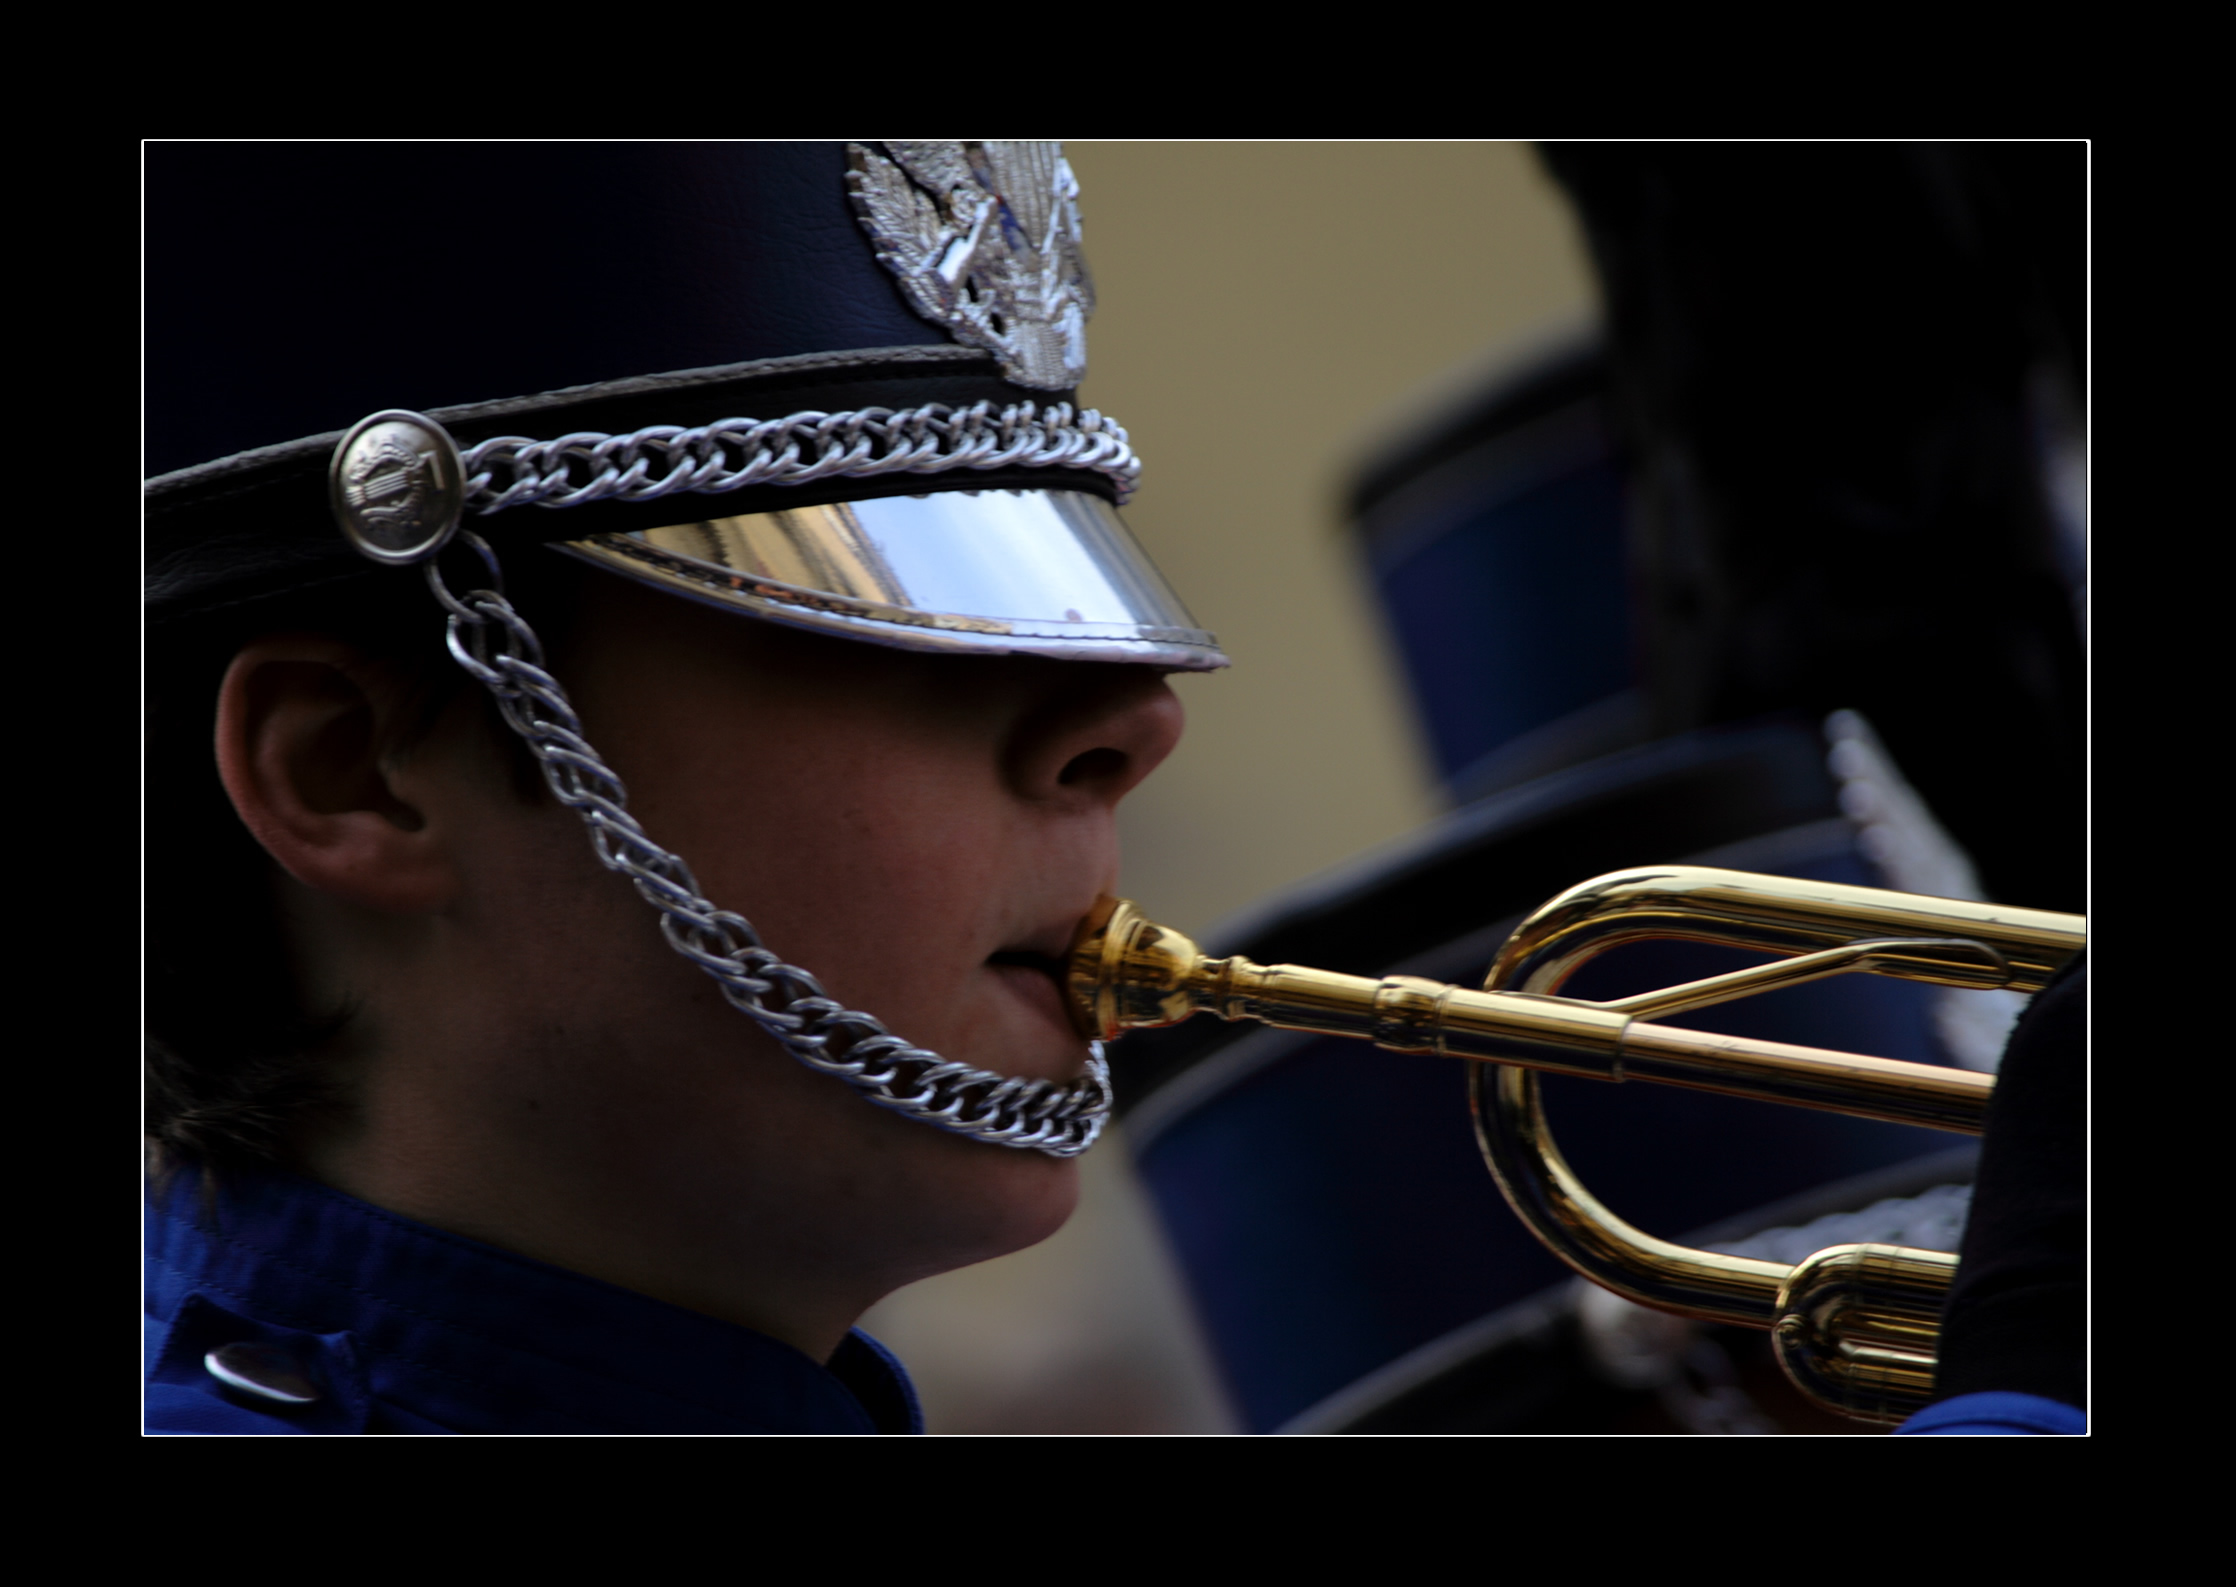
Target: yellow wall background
(1267,312)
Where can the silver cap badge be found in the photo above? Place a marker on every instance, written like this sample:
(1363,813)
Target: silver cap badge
(984,238)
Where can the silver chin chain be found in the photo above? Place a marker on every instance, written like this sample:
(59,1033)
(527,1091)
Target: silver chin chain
(496,645)
(398,486)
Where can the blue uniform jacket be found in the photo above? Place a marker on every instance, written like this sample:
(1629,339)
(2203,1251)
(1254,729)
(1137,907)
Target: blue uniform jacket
(399,1328)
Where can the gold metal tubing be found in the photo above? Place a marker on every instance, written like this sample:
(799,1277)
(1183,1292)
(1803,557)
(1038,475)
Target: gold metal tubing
(1808,1077)
(1126,971)
(1855,1326)
(1858,1327)
(1782,915)
(1888,957)
(1547,1196)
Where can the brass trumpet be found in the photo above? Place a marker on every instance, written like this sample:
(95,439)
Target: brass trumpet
(1855,1327)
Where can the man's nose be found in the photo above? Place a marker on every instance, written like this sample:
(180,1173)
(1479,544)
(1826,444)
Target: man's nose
(1099,738)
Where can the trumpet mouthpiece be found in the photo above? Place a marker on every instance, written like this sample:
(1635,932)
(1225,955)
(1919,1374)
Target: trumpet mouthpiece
(1125,971)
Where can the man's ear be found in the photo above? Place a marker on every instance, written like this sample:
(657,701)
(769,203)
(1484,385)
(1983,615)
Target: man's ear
(303,726)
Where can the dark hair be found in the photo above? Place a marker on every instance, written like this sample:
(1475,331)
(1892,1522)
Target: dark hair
(233,1051)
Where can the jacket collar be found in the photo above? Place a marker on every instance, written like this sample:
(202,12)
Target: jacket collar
(408,1328)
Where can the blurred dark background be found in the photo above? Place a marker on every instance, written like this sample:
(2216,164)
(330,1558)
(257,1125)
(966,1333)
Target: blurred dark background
(1837,372)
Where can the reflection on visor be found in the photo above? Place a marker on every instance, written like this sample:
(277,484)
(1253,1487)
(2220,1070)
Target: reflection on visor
(1051,573)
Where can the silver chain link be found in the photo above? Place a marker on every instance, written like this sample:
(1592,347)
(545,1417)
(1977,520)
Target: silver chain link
(730,454)
(495,644)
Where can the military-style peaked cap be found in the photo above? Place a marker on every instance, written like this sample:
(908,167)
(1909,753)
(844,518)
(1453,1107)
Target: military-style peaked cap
(825,384)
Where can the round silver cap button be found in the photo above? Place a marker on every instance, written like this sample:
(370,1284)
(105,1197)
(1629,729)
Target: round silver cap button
(398,486)
(263,1370)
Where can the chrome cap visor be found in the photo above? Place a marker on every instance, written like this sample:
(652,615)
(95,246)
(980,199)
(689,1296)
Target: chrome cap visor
(1022,572)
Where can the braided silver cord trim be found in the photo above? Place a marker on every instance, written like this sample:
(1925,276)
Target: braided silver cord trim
(729,454)
(494,644)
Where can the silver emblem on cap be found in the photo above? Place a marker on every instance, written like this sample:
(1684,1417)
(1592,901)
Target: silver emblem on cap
(397,486)
(984,238)
(265,1371)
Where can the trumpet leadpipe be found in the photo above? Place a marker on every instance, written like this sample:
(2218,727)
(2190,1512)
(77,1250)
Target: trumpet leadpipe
(1126,972)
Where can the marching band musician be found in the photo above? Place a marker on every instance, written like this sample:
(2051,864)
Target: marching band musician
(578,1030)
(637,709)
